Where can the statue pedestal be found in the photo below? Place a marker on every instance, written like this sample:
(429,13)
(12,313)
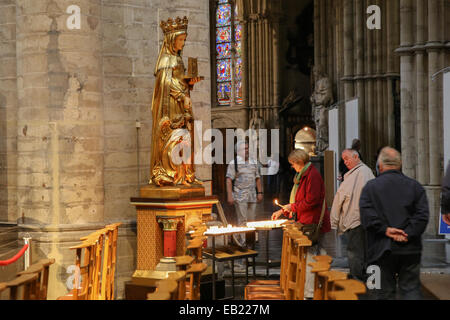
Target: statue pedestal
(164,215)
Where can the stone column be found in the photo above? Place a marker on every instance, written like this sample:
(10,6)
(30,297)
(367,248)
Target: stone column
(276,59)
(407,90)
(421,75)
(60,128)
(392,34)
(253,74)
(434,114)
(323,35)
(8,113)
(348,49)
(378,86)
(317,42)
(359,71)
(369,87)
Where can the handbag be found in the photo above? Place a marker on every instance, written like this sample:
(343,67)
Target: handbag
(312,230)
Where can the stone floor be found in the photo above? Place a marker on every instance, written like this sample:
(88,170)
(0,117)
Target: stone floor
(435,256)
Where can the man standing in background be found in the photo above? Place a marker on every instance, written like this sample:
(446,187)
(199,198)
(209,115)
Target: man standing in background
(345,216)
(394,212)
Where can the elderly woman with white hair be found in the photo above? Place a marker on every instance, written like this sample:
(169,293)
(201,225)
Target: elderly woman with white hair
(307,206)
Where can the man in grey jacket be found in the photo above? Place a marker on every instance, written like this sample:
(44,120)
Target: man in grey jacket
(345,216)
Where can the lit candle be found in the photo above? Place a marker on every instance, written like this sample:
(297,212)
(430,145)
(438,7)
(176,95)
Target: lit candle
(276,202)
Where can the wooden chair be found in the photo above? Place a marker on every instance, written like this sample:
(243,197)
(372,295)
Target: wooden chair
(284,258)
(180,278)
(183,262)
(157,295)
(42,269)
(37,269)
(294,264)
(195,247)
(293,280)
(303,245)
(326,259)
(350,285)
(113,233)
(193,287)
(326,280)
(27,283)
(3,286)
(85,264)
(342,295)
(271,286)
(317,267)
(169,286)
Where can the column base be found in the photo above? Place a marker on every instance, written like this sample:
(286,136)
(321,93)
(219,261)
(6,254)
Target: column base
(166,265)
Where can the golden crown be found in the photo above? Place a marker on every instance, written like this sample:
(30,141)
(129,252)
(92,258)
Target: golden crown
(171,26)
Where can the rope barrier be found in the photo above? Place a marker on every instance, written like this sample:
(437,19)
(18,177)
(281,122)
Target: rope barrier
(15,258)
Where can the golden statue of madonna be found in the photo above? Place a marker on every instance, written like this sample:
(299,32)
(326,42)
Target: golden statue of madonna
(173,121)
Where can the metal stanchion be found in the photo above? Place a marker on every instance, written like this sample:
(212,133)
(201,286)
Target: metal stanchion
(27,256)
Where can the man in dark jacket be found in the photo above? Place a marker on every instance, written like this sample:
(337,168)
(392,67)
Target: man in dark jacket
(445,201)
(394,212)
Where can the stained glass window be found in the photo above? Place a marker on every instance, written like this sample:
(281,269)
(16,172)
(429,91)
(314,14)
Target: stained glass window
(228,54)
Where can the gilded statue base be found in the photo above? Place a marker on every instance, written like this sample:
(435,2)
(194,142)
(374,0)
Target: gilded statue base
(172,192)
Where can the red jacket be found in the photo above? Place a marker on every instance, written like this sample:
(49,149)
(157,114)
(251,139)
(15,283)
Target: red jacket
(309,200)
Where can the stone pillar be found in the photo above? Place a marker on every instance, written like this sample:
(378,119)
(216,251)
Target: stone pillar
(60,128)
(317,42)
(359,58)
(369,70)
(434,114)
(392,40)
(323,36)
(421,76)
(407,90)
(348,49)
(8,113)
(276,59)
(253,73)
(245,66)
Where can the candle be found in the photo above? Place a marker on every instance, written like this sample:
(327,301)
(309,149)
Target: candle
(215,230)
(276,202)
(266,224)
